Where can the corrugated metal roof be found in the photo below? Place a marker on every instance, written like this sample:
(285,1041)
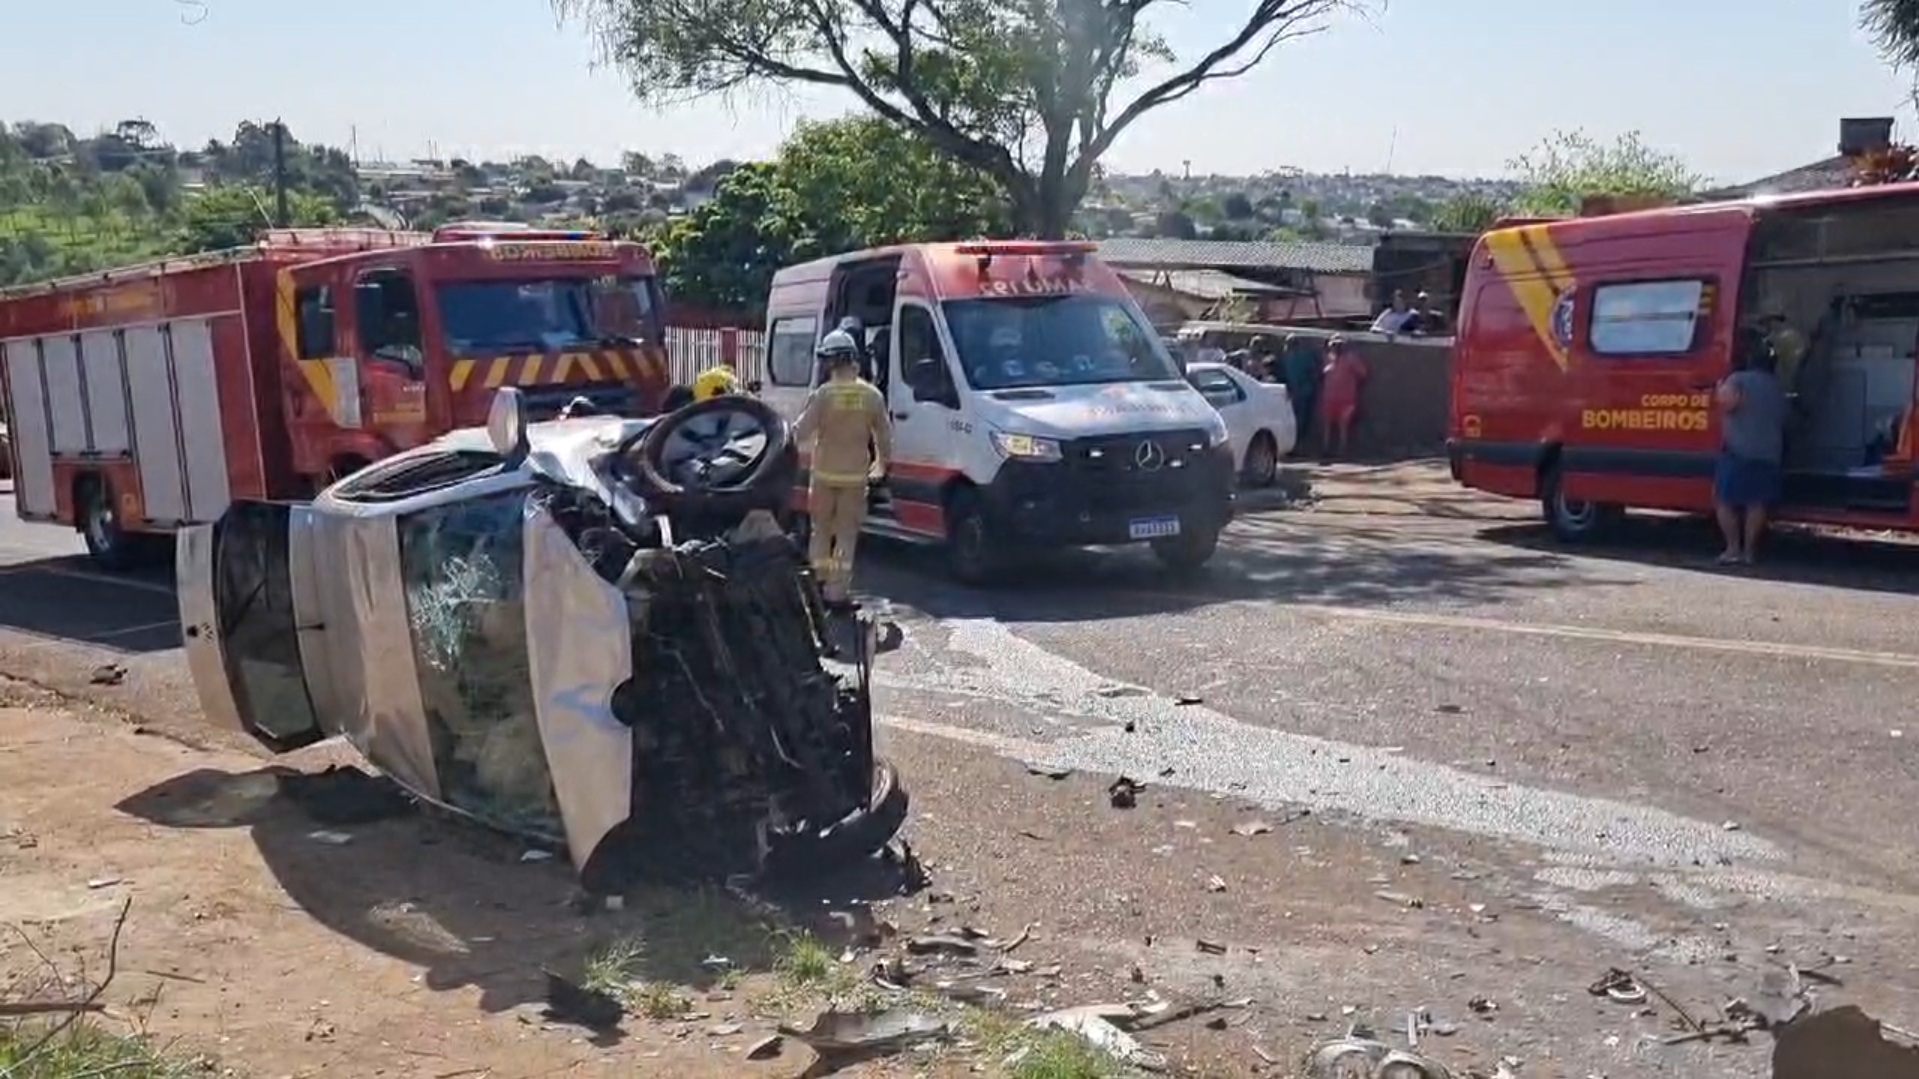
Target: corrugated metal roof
(1236,255)
(1833,172)
(1205,284)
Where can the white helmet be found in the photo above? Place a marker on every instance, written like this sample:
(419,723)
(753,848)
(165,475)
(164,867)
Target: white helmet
(838,345)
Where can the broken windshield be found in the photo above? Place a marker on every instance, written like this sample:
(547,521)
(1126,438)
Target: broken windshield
(1069,340)
(551,313)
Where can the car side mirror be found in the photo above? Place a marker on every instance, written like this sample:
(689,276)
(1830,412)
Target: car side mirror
(506,424)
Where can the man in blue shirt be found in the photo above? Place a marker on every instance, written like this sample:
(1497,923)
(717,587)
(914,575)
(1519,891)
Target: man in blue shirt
(1753,411)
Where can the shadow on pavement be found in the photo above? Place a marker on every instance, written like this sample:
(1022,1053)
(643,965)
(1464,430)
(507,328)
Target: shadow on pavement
(456,900)
(1279,557)
(67,599)
(1791,554)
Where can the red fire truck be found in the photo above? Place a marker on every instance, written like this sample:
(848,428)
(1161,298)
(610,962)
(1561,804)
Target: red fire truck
(1588,349)
(147,398)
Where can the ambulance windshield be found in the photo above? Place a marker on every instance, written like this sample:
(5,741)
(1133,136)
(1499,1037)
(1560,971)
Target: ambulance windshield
(1072,340)
(553,313)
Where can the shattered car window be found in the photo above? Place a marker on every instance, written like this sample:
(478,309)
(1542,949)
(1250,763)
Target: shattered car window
(462,565)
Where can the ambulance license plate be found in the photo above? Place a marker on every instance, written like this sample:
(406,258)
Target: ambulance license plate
(1145,528)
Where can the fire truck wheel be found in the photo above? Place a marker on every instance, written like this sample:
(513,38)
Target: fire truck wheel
(110,546)
(724,456)
(1574,520)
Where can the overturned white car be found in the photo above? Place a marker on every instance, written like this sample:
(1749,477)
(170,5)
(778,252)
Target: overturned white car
(588,630)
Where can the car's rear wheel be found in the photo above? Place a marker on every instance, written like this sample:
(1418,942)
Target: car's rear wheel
(1262,461)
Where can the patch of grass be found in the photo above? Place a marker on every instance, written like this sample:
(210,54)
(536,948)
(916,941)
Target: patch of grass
(657,1000)
(1035,1054)
(803,961)
(1059,1054)
(610,969)
(84,1050)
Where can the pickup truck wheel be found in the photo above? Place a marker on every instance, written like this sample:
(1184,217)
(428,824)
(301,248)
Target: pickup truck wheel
(973,556)
(111,547)
(1188,551)
(1575,520)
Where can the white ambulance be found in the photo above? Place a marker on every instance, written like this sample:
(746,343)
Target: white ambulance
(1033,405)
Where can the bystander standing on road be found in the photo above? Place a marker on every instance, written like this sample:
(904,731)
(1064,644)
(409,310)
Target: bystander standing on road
(1746,479)
(1341,380)
(1299,370)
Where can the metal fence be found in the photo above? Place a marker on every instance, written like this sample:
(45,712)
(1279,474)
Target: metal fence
(690,351)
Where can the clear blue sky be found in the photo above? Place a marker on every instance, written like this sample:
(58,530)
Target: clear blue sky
(1741,88)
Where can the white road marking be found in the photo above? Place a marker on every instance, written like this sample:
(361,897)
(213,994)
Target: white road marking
(1776,649)
(50,640)
(1429,620)
(91,577)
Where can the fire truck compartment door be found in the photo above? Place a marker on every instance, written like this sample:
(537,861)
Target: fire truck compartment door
(26,411)
(242,616)
(178,439)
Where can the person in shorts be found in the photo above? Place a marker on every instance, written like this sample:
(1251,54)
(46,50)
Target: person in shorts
(1746,481)
(1341,380)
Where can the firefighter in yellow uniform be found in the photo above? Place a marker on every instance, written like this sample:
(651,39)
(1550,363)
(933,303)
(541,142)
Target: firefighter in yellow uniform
(715,381)
(846,432)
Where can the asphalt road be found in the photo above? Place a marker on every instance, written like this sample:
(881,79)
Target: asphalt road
(1624,717)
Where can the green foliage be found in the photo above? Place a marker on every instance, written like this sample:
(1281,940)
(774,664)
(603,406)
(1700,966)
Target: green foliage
(1894,27)
(1031,92)
(1566,167)
(71,205)
(1472,213)
(838,186)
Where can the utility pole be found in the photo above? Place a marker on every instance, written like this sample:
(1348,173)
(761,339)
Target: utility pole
(281,217)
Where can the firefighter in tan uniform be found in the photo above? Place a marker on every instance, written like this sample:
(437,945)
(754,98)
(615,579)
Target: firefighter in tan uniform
(846,431)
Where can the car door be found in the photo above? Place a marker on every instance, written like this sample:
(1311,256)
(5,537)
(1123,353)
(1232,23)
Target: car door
(929,421)
(241,614)
(1229,398)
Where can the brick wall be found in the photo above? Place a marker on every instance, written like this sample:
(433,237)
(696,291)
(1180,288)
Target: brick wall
(1404,409)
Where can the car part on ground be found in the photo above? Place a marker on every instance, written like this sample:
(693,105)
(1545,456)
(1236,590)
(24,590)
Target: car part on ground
(504,625)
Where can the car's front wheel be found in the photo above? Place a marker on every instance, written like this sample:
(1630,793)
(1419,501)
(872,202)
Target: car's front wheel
(1187,552)
(973,556)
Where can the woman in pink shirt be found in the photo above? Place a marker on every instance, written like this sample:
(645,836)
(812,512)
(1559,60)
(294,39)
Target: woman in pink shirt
(1341,380)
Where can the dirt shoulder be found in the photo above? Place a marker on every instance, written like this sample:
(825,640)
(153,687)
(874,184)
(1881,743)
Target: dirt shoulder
(416,946)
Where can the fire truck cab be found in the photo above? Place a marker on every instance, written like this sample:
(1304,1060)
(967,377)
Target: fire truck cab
(1588,351)
(148,398)
(1032,403)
